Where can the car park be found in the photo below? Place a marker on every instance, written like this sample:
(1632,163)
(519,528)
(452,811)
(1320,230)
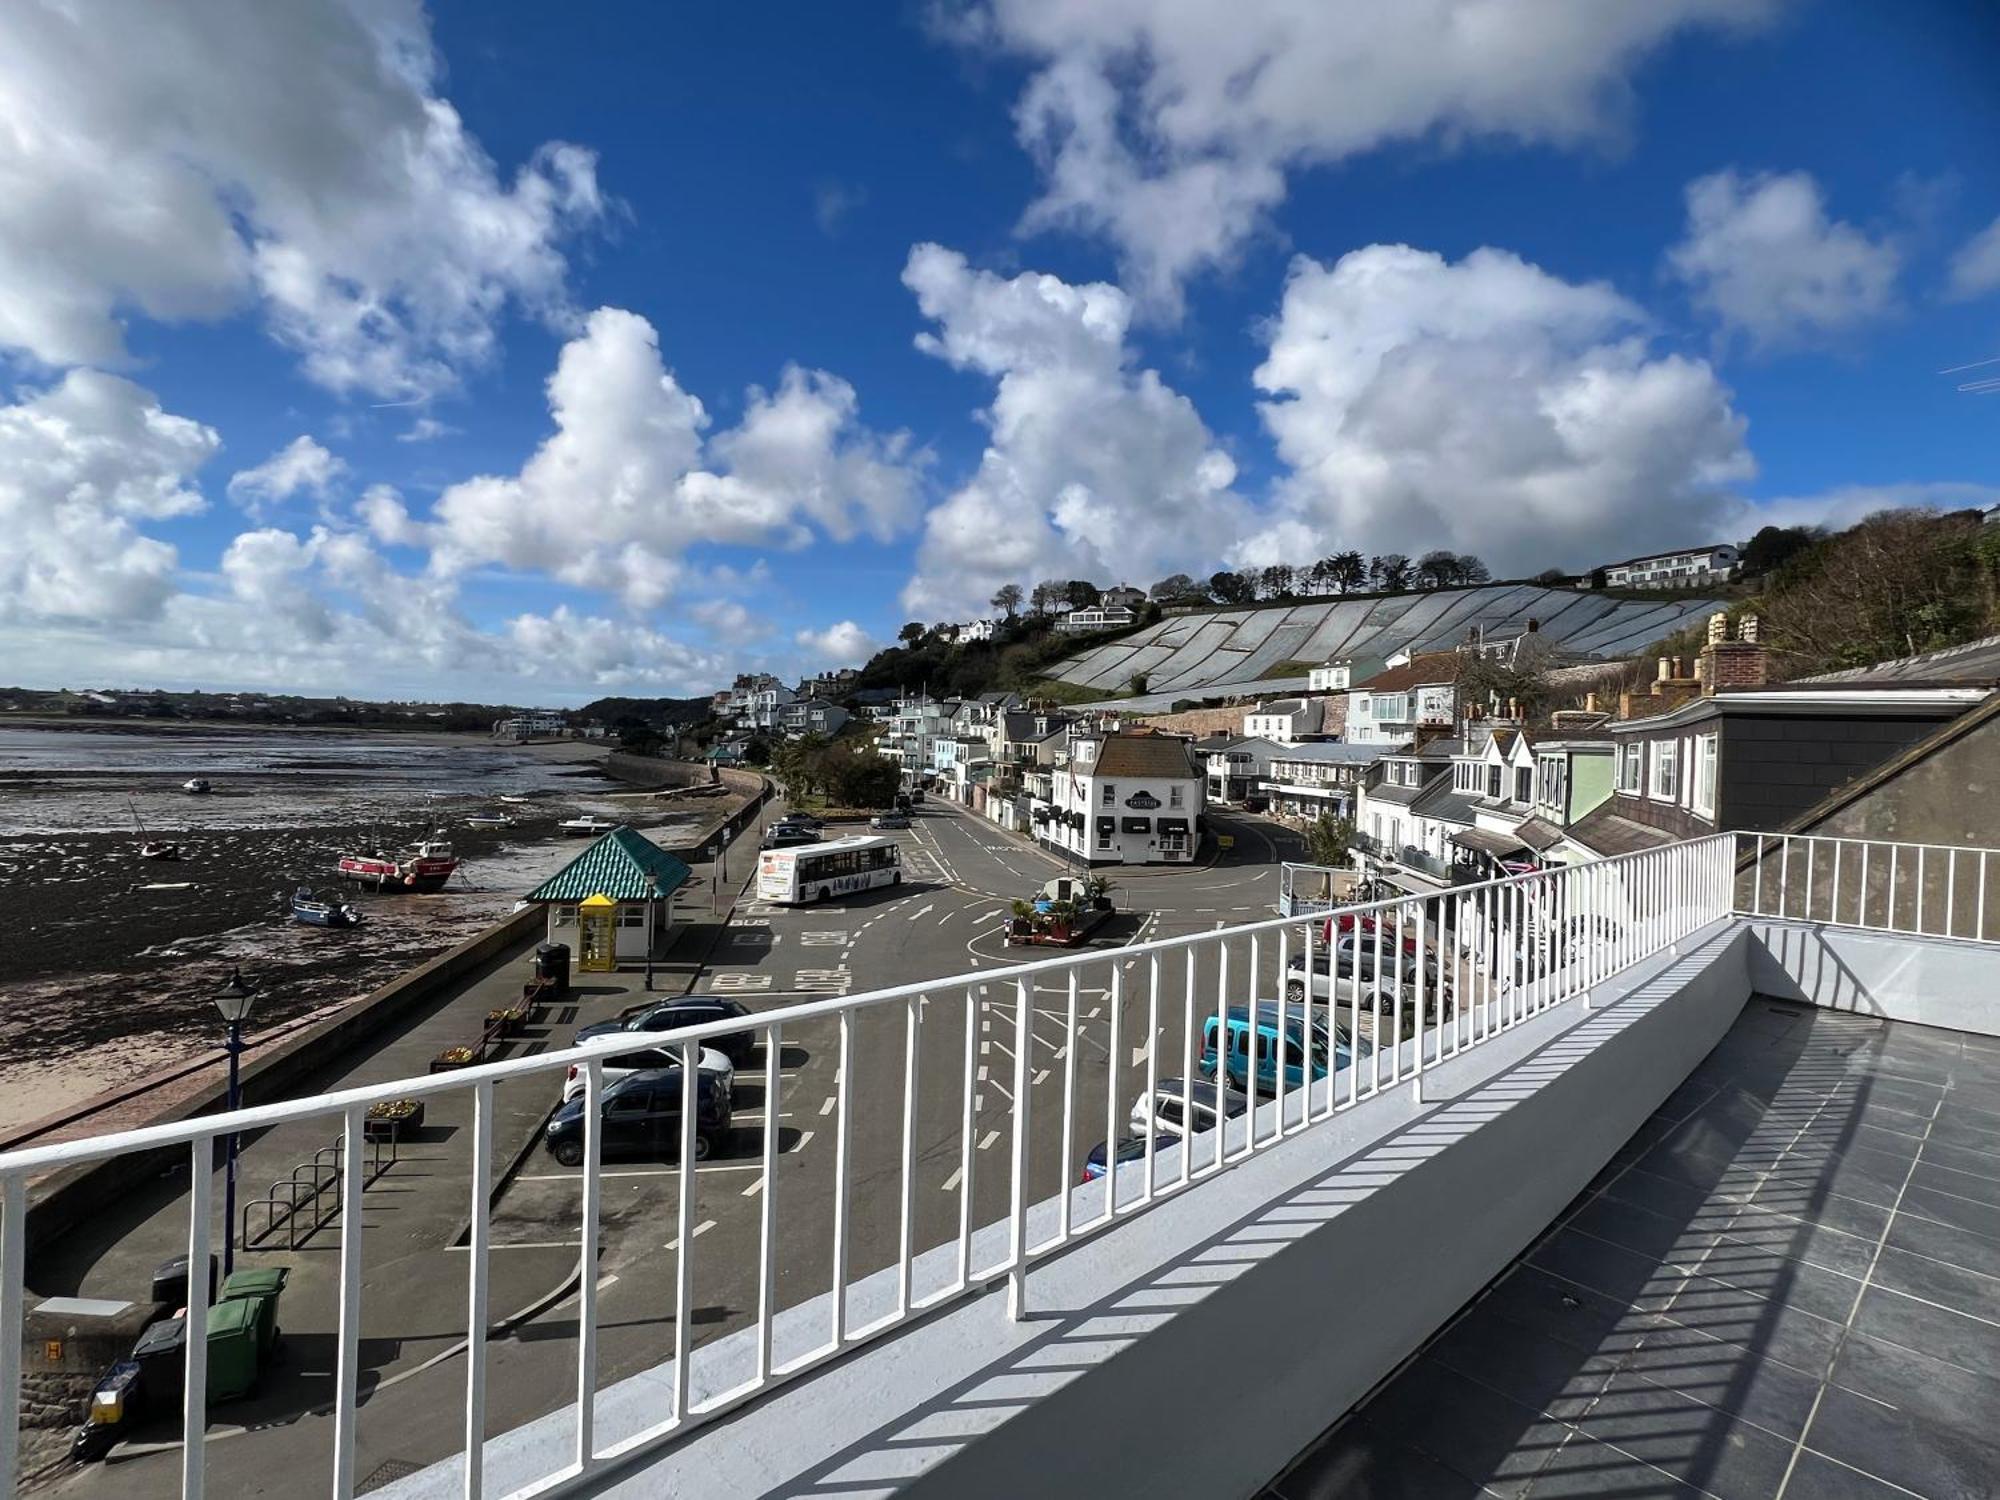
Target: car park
(680,1013)
(641,1117)
(1166,1107)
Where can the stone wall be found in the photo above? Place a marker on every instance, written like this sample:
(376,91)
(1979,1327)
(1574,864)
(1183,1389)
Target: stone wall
(1199,722)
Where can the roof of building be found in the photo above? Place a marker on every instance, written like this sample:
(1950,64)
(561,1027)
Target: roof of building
(1161,755)
(1237,742)
(1672,552)
(1603,831)
(615,864)
(1281,706)
(1019,723)
(1425,669)
(1488,841)
(1333,753)
(1443,802)
(1444,747)
(1539,834)
(1975,661)
(1895,766)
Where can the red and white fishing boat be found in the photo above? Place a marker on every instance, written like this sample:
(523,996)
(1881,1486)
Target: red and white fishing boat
(422,867)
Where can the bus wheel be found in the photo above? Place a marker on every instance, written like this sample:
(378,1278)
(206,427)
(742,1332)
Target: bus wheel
(825,893)
(897,878)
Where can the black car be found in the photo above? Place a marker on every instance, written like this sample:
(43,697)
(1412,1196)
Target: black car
(677,1015)
(642,1117)
(788,835)
(798,820)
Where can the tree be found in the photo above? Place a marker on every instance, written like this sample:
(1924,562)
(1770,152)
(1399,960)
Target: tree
(1472,570)
(1436,570)
(911,633)
(1007,599)
(1046,595)
(860,778)
(1549,577)
(1275,582)
(1318,579)
(1389,572)
(1138,684)
(1328,839)
(1176,588)
(1232,588)
(1774,546)
(1081,593)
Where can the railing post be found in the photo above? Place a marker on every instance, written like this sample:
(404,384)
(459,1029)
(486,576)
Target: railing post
(767,1201)
(13,1270)
(1017,1222)
(477,1265)
(843,1130)
(684,1225)
(194,1377)
(347,1370)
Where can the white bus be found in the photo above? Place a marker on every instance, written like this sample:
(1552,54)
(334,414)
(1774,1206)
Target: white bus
(837,867)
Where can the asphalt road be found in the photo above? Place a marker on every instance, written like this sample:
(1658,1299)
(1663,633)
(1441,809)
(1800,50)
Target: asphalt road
(961,874)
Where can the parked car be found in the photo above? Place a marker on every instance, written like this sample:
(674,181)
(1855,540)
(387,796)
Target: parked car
(641,1116)
(1130,1148)
(1306,1051)
(1355,954)
(710,1064)
(680,1013)
(789,835)
(1164,1109)
(890,820)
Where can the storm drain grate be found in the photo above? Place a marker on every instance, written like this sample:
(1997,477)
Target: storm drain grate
(387,1473)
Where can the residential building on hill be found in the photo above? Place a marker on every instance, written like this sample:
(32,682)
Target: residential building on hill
(1338,674)
(1690,568)
(804,716)
(1122,596)
(1284,720)
(1420,692)
(1097,617)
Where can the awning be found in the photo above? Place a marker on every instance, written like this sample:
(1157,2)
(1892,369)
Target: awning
(1173,825)
(1499,845)
(1138,825)
(1107,825)
(1539,834)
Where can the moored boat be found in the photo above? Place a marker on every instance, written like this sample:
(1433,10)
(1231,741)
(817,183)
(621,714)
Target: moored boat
(312,910)
(159,849)
(195,786)
(422,867)
(487,820)
(589,825)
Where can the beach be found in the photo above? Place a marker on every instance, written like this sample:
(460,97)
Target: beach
(108,961)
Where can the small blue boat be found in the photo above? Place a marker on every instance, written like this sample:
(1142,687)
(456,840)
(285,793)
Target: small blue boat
(316,911)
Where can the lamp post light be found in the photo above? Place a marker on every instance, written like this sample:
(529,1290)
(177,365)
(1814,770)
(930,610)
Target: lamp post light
(652,918)
(234,1000)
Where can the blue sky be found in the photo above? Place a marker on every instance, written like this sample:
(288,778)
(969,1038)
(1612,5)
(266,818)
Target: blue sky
(519,352)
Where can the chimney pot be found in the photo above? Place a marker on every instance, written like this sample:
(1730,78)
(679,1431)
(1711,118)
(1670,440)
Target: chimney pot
(1590,701)
(1666,668)
(1750,629)
(1718,627)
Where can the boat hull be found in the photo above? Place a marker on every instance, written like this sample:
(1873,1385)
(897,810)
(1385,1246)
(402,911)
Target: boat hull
(415,877)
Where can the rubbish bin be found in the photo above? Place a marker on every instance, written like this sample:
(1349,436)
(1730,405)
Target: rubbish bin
(261,1286)
(552,962)
(161,1355)
(233,1347)
(170,1281)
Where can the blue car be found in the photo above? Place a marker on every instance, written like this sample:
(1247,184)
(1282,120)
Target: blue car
(1130,1148)
(1304,1057)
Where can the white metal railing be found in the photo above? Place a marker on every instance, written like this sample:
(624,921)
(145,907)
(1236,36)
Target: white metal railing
(1874,885)
(1415,981)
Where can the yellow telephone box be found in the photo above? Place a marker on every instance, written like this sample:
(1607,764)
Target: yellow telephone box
(597,934)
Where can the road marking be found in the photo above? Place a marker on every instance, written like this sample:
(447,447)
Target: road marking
(707,1166)
(1139,1053)
(988,1139)
(745,939)
(826,1105)
(982,1072)
(533,1245)
(1041,1075)
(803,1138)
(1095,1011)
(922,911)
(952,1181)
(754,1189)
(985,1050)
(946,918)
(606,1280)
(836,938)
(987,916)
(699,1230)
(835,981)
(739,981)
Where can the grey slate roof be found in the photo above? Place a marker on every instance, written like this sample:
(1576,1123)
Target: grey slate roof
(614,864)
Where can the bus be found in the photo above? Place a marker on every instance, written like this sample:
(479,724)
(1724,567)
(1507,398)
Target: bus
(838,867)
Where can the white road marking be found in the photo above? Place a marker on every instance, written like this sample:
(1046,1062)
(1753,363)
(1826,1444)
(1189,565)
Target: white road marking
(739,981)
(835,981)
(988,1139)
(1041,1076)
(754,1189)
(946,918)
(1095,1011)
(982,1072)
(699,1230)
(606,1280)
(831,939)
(987,916)
(533,1245)
(803,1138)
(748,937)
(951,1181)
(577,1177)
(922,911)
(826,1104)
(1138,1053)
(985,1050)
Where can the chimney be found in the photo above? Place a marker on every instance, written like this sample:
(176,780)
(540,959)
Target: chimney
(1590,701)
(1533,625)
(1666,669)
(1718,628)
(1741,663)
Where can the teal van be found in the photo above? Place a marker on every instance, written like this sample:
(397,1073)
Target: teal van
(1304,1056)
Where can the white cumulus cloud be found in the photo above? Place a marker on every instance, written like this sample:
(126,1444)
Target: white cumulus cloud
(844,644)
(1170,126)
(1762,257)
(83,465)
(301,467)
(629,480)
(1975,269)
(1484,406)
(1093,468)
(187,161)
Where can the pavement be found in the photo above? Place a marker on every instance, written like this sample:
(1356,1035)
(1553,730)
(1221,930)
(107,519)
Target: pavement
(960,874)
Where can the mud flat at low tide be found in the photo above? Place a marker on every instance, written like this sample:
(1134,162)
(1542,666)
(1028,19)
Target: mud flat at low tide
(108,961)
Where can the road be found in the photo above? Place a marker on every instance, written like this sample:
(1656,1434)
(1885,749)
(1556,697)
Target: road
(961,874)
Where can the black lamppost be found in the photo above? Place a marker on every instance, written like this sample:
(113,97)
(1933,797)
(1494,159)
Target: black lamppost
(652,897)
(234,1000)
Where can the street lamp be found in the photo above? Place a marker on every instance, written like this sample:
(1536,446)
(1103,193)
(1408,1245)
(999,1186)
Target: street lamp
(652,896)
(234,1000)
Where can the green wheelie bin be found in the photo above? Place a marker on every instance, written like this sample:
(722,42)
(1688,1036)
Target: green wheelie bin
(260,1285)
(232,1348)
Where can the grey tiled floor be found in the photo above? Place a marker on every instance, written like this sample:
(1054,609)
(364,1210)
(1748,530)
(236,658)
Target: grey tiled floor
(1786,1284)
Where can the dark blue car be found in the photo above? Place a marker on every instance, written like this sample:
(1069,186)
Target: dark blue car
(1130,1148)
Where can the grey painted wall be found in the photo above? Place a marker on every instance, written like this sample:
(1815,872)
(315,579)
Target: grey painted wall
(1926,980)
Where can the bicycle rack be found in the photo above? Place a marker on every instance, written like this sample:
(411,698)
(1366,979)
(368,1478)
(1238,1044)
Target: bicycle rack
(308,1187)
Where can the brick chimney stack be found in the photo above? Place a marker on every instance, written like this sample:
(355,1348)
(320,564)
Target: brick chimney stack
(1734,665)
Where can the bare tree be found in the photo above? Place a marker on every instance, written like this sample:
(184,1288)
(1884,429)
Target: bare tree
(1007,599)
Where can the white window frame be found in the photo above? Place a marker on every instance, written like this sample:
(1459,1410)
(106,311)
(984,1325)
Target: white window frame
(1173,796)
(1665,768)
(1707,768)
(1632,768)
(1110,798)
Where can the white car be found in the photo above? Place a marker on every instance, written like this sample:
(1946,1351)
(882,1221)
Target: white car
(1161,1110)
(711,1063)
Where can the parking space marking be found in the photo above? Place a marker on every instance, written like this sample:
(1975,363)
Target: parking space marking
(988,1139)
(1041,1075)
(754,1189)
(825,1106)
(699,1230)
(739,981)
(577,1177)
(952,1181)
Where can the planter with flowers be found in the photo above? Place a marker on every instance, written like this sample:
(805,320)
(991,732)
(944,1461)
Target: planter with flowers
(452,1059)
(392,1118)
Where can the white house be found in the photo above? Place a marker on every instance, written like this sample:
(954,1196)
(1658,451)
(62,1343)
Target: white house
(1675,570)
(1130,798)
(1122,596)
(1284,721)
(812,716)
(1389,708)
(1097,617)
(973,630)
(1235,766)
(761,707)
(1303,781)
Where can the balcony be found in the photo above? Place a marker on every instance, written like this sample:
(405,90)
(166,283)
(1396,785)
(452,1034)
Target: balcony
(1574,1100)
